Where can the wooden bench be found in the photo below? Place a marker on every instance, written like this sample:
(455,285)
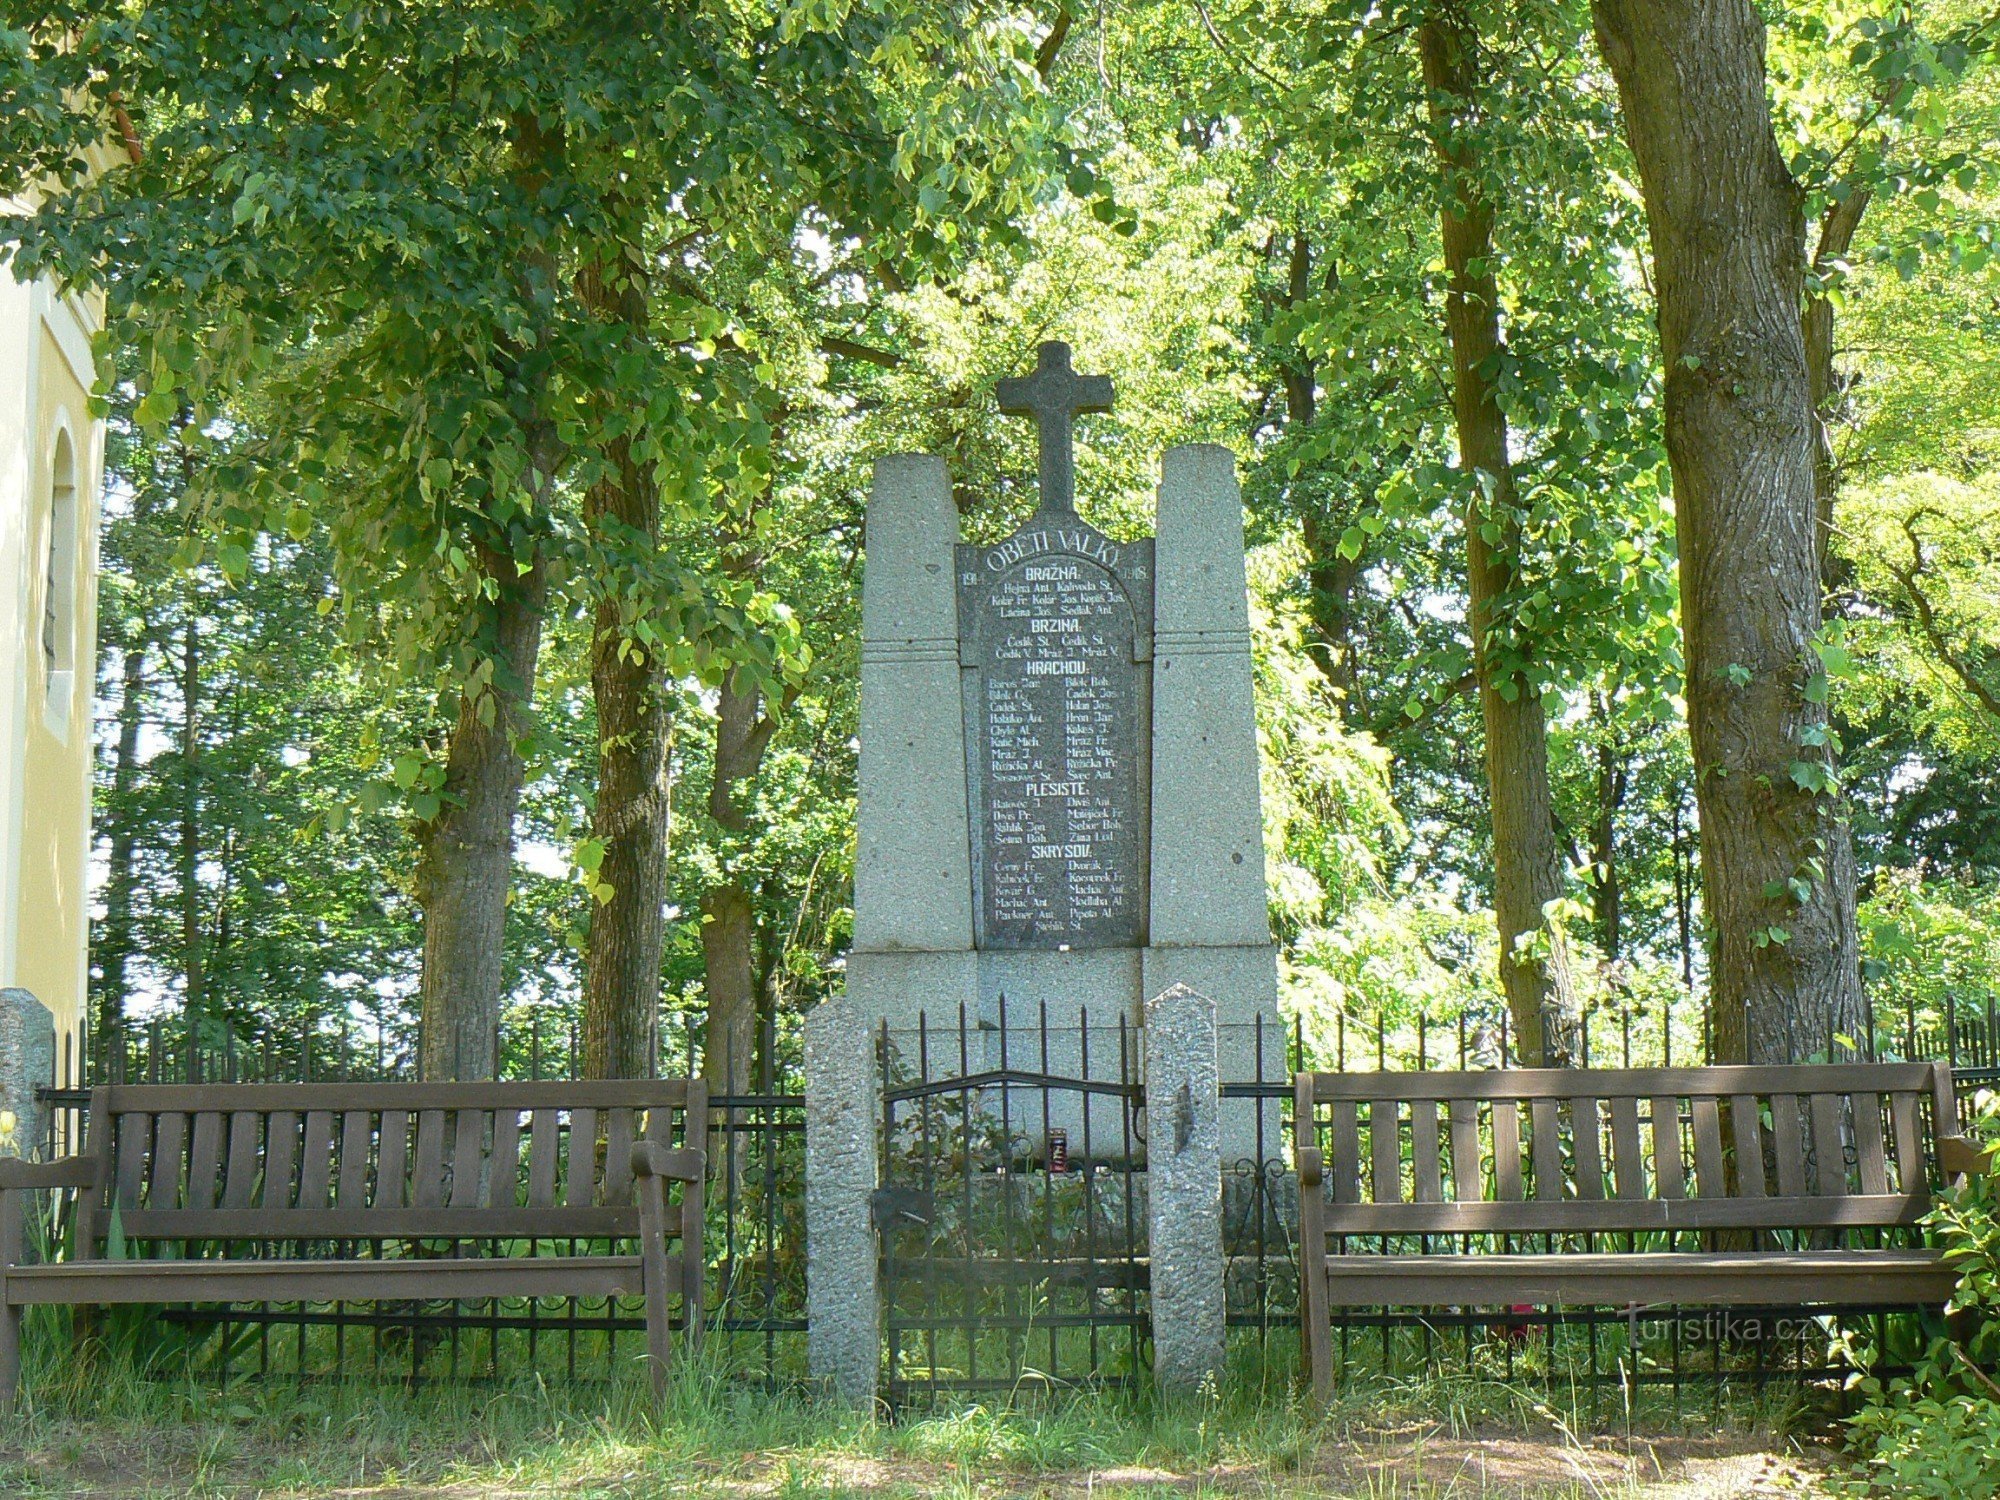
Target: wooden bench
(1717,1186)
(445,1182)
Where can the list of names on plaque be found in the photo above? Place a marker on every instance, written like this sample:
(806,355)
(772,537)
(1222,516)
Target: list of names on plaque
(1054,721)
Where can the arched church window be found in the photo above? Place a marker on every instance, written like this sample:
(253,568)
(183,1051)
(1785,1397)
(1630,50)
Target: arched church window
(59,580)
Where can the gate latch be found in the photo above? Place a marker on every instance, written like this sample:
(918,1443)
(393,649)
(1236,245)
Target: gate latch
(900,1208)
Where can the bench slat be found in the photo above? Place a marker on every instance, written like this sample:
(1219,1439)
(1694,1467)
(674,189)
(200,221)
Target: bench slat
(1545,1146)
(503,1178)
(324,1280)
(562,1222)
(205,1162)
(1640,1083)
(316,1162)
(132,1143)
(617,1185)
(1587,1142)
(1384,1152)
(282,1131)
(646,1093)
(1346,1153)
(163,1187)
(1746,1128)
(582,1158)
(1829,1146)
(468,1150)
(1870,1158)
(1507,1150)
(239,1180)
(1912,1171)
(1578,1216)
(392,1161)
(1788,1145)
(1669,1170)
(1467,1182)
(1426,1162)
(1710,1180)
(1628,1166)
(427,1176)
(357,1134)
(1819,1278)
(281,1154)
(542,1158)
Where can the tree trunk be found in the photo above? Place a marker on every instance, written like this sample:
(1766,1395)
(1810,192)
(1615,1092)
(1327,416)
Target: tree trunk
(628,929)
(1607,904)
(1527,856)
(621,1000)
(115,943)
(465,861)
(1728,241)
(728,932)
(465,855)
(729,1040)
(1330,578)
(193,972)
(1824,385)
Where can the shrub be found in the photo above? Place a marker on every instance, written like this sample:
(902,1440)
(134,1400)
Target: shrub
(1937,1431)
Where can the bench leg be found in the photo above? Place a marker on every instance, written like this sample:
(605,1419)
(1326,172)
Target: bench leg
(1315,1317)
(10,1352)
(653,1261)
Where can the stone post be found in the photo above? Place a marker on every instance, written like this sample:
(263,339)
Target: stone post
(27,1062)
(1183,1188)
(1208,826)
(913,856)
(843,1108)
(1211,927)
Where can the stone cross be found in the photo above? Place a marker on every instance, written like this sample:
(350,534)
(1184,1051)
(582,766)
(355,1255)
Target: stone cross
(1053,395)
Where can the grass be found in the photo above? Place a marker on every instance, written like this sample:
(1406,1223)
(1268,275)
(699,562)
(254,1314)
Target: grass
(91,1430)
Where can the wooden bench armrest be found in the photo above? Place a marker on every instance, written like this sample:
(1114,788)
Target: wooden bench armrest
(1312,1167)
(67,1172)
(1962,1157)
(682,1164)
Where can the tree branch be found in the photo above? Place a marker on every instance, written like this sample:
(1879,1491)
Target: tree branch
(1928,622)
(1045,55)
(841,348)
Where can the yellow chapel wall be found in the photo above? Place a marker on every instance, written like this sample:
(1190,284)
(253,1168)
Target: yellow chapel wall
(49,918)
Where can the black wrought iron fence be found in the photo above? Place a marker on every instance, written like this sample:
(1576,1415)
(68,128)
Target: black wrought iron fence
(1028,1266)
(1012,1210)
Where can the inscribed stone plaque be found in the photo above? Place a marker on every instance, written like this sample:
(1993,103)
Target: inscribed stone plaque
(1056,625)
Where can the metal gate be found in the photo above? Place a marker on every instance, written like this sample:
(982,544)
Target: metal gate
(1012,1211)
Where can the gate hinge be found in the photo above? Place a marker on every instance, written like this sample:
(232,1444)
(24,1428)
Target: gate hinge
(900,1208)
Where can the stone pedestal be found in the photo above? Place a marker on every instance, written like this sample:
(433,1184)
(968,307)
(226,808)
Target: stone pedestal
(843,1296)
(1183,1189)
(27,1062)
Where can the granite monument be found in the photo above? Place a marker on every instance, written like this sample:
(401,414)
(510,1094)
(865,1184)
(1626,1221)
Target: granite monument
(1058,800)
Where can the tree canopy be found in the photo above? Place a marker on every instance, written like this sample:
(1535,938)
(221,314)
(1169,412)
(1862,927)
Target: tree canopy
(493,389)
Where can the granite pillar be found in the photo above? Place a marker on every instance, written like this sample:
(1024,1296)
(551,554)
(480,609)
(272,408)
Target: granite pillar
(1183,1189)
(843,1295)
(1210,927)
(27,1062)
(912,946)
